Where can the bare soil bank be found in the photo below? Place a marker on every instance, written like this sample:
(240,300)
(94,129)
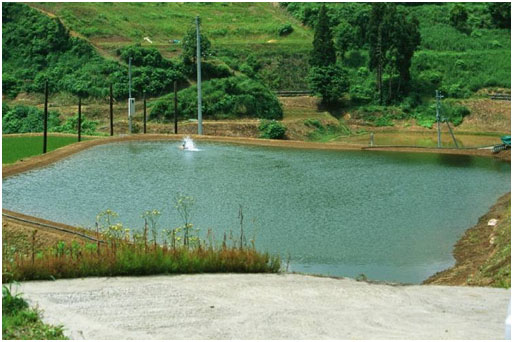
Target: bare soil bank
(265,306)
(483,254)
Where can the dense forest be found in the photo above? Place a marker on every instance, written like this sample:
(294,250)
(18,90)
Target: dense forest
(379,57)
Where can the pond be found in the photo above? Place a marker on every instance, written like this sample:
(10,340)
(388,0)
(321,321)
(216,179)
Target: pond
(390,216)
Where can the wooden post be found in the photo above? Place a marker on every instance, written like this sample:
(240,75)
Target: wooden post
(97,240)
(111,114)
(144,111)
(45,120)
(79,118)
(34,232)
(176,109)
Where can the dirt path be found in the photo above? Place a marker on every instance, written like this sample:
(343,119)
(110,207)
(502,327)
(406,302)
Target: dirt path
(260,306)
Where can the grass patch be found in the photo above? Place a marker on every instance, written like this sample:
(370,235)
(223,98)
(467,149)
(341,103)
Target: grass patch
(121,257)
(19,322)
(326,133)
(15,148)
(223,23)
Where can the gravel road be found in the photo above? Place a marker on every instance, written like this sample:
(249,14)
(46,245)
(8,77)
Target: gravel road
(265,306)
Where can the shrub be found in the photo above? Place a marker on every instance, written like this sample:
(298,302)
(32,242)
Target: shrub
(285,29)
(10,85)
(232,97)
(272,129)
(214,70)
(142,56)
(25,119)
(88,127)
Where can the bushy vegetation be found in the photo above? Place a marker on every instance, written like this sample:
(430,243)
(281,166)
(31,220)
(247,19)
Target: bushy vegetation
(272,129)
(149,250)
(226,98)
(19,322)
(37,48)
(27,119)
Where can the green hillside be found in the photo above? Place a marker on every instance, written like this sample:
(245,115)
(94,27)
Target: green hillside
(82,48)
(111,25)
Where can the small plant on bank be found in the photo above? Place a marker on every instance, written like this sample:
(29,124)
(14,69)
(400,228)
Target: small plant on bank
(272,129)
(19,322)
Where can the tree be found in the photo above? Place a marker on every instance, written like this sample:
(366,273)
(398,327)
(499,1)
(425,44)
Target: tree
(392,39)
(323,53)
(189,44)
(344,38)
(501,14)
(329,82)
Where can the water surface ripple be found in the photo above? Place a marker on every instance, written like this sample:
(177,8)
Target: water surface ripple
(390,216)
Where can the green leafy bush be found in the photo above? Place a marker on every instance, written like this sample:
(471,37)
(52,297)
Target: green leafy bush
(26,119)
(285,29)
(232,97)
(271,129)
(88,127)
(143,56)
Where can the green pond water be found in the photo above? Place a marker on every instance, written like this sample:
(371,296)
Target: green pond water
(390,216)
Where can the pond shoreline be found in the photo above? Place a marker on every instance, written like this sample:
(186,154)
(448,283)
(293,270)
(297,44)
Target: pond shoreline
(66,151)
(61,153)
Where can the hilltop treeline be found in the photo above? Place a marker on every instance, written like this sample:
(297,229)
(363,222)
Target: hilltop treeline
(463,46)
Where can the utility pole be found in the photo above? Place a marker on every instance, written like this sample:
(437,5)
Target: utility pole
(45,120)
(438,97)
(111,113)
(79,128)
(198,61)
(144,110)
(131,101)
(176,108)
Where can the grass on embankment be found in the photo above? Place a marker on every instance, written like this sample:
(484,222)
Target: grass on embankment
(18,147)
(19,322)
(122,258)
(126,252)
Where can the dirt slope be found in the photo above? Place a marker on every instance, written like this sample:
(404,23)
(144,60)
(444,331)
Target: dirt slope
(483,254)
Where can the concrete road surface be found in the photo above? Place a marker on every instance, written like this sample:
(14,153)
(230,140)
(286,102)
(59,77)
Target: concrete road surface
(265,306)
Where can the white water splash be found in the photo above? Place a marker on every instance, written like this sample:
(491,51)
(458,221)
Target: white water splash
(188,144)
